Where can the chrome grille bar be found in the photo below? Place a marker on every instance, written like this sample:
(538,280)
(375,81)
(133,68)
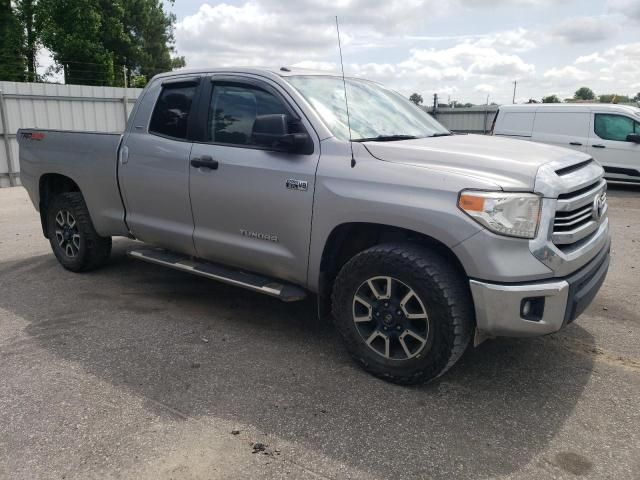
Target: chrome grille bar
(575,235)
(585,198)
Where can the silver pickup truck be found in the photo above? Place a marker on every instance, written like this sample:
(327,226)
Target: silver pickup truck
(416,241)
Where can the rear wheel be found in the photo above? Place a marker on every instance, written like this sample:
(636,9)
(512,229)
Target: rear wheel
(404,312)
(73,239)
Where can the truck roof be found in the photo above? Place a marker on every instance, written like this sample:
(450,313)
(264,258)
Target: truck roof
(574,107)
(282,71)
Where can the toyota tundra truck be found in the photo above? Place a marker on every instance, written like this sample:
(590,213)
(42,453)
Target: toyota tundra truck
(289,182)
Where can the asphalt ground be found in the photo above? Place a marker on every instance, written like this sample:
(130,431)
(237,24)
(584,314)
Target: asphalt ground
(137,371)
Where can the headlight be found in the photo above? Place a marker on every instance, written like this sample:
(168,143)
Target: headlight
(504,213)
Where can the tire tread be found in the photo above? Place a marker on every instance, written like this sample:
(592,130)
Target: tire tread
(453,297)
(97,248)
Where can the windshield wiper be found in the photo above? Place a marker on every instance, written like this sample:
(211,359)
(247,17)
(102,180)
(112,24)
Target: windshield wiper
(441,134)
(386,138)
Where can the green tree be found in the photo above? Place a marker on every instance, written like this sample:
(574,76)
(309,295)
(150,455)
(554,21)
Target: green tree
(637,97)
(91,40)
(73,30)
(416,98)
(584,93)
(152,38)
(26,14)
(12,64)
(551,99)
(613,98)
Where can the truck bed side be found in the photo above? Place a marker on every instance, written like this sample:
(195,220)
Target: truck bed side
(89,159)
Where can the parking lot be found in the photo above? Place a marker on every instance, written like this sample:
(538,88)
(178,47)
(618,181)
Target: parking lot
(136,371)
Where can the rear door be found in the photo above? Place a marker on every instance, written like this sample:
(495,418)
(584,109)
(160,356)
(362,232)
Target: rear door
(608,145)
(154,166)
(562,128)
(253,210)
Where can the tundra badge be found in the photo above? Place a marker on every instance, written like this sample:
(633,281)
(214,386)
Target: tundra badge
(293,184)
(259,235)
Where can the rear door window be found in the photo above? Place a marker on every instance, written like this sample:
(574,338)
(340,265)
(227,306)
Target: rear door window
(614,127)
(170,116)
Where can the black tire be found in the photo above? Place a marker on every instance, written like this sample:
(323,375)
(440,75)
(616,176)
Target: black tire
(440,289)
(82,249)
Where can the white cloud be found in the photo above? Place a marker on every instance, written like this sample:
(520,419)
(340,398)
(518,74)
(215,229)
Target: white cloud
(593,58)
(511,3)
(585,29)
(466,59)
(387,41)
(518,40)
(627,8)
(315,65)
(248,34)
(567,75)
(485,88)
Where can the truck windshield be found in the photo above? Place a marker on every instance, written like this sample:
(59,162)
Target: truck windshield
(376,113)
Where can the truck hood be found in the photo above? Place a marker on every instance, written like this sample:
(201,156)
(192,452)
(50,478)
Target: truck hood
(510,164)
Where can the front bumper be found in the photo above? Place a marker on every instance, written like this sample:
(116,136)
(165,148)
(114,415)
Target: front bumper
(500,308)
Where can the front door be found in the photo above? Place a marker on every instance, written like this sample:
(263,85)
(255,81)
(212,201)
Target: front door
(608,145)
(154,167)
(252,207)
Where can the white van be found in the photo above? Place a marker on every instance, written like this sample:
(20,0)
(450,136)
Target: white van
(609,133)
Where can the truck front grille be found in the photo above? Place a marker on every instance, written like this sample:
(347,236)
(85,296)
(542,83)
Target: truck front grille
(578,214)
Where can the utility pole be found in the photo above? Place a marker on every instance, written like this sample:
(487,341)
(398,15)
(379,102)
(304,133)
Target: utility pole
(515,84)
(125,97)
(435,102)
(486,115)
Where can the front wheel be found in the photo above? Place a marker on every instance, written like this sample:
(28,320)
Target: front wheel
(73,239)
(404,312)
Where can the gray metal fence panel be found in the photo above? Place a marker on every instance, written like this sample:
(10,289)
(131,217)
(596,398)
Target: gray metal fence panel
(60,107)
(470,120)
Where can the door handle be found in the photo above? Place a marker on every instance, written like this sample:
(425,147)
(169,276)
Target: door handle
(205,162)
(598,146)
(576,144)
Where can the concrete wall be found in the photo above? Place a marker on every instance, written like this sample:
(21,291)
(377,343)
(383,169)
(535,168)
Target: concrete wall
(60,107)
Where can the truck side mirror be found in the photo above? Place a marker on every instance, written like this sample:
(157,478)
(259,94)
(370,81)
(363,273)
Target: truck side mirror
(272,132)
(633,137)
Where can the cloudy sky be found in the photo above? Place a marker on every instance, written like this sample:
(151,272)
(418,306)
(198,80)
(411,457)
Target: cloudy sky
(465,49)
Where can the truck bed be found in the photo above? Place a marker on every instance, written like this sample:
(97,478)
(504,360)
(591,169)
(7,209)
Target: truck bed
(90,159)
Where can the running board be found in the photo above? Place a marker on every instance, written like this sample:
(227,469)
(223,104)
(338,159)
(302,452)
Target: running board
(251,281)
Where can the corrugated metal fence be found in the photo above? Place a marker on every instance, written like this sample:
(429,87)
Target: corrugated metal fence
(60,107)
(470,120)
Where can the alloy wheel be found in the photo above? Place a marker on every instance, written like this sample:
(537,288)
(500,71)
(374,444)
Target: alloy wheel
(391,318)
(67,233)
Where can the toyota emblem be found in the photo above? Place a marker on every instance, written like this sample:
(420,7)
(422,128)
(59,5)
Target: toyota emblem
(599,206)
